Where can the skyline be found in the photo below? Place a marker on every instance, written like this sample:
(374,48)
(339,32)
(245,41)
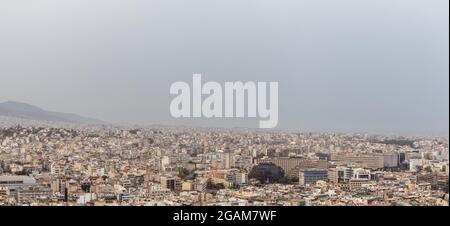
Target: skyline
(352,66)
(111,166)
(95,122)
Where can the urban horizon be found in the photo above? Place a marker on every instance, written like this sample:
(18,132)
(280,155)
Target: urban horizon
(258,104)
(11,121)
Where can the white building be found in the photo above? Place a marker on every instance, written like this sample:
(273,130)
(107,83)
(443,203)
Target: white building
(414,164)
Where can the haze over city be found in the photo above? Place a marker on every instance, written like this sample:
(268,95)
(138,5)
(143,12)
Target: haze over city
(224,103)
(369,66)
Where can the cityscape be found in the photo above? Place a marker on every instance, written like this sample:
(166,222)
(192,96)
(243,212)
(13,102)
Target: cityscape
(177,166)
(243,107)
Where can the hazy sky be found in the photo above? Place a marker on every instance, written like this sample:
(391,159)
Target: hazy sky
(347,65)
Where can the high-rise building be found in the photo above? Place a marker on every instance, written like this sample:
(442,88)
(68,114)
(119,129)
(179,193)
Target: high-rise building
(311,176)
(372,161)
(361,174)
(391,160)
(356,183)
(13,182)
(29,194)
(187,186)
(172,183)
(401,157)
(291,166)
(226,160)
(339,174)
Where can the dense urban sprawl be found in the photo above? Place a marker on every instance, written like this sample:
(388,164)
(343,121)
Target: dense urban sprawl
(167,166)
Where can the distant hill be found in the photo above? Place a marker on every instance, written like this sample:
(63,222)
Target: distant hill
(30,112)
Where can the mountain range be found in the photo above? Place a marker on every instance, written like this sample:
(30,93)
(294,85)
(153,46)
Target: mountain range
(27,111)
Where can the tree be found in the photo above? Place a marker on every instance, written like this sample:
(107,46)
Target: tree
(220,186)
(183,173)
(266,173)
(210,185)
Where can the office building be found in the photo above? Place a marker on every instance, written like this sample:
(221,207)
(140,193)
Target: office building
(311,176)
